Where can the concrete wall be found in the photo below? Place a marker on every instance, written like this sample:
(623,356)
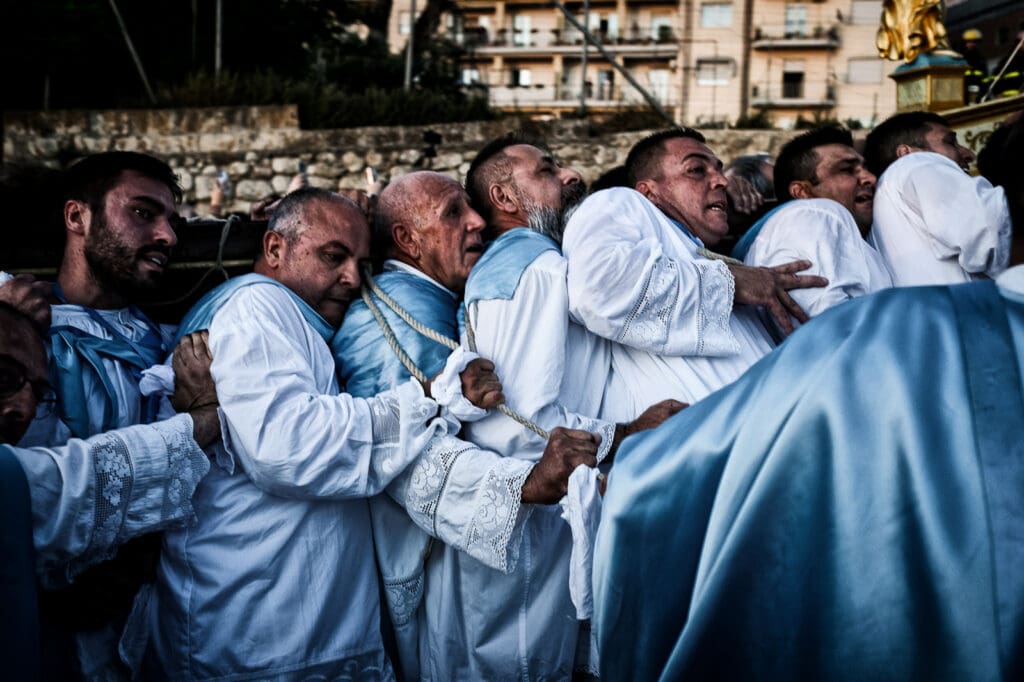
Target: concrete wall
(261,147)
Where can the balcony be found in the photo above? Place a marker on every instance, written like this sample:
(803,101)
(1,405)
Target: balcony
(567,98)
(793,96)
(797,37)
(540,42)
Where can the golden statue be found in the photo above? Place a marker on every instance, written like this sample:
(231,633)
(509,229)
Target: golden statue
(910,27)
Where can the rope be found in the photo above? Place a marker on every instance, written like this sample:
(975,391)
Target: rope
(403,357)
(708,253)
(218,264)
(999,76)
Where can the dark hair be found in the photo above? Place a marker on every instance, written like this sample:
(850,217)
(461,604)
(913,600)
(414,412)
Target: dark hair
(907,128)
(999,163)
(491,165)
(798,159)
(749,168)
(645,157)
(92,177)
(286,217)
(614,177)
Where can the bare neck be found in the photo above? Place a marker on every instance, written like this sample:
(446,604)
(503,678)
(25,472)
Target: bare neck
(80,287)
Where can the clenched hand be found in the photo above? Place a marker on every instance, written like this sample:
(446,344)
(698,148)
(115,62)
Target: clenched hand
(566,449)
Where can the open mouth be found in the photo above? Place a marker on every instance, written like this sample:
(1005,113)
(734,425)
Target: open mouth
(475,248)
(718,206)
(864,198)
(158,260)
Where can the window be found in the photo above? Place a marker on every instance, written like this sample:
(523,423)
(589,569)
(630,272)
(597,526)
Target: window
(404,23)
(470,76)
(866,12)
(793,79)
(605,84)
(661,28)
(714,71)
(519,78)
(864,70)
(521,30)
(796,21)
(716,15)
(657,84)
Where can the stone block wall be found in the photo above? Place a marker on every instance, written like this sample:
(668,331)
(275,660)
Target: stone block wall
(261,148)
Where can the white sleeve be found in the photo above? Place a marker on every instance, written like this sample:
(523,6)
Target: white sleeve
(468,498)
(625,287)
(828,237)
(91,496)
(963,217)
(525,337)
(293,434)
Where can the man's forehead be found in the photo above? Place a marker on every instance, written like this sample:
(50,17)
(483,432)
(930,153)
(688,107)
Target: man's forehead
(134,185)
(830,154)
(21,342)
(678,149)
(527,154)
(329,220)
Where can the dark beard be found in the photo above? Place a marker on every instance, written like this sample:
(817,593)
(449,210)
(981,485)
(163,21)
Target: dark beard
(113,264)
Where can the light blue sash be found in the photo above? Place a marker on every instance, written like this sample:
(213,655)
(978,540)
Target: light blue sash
(201,314)
(19,630)
(496,275)
(739,252)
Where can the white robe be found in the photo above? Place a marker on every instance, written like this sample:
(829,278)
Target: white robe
(636,279)
(486,625)
(91,496)
(823,232)
(277,581)
(934,224)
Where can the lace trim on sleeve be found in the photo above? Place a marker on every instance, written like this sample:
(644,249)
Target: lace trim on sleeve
(186,466)
(647,325)
(604,429)
(717,292)
(403,424)
(495,532)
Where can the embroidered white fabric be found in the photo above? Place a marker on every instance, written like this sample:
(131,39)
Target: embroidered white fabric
(446,388)
(403,422)
(717,291)
(581,509)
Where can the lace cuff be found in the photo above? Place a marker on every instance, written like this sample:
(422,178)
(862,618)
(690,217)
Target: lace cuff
(717,292)
(602,428)
(403,421)
(144,480)
(495,531)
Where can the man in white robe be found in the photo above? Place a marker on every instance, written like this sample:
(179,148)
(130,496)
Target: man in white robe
(826,215)
(553,374)
(933,222)
(278,580)
(432,238)
(684,323)
(119,216)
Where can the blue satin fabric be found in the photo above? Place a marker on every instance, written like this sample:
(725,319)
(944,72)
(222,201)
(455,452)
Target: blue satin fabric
(19,627)
(201,314)
(366,364)
(739,251)
(76,352)
(496,275)
(850,509)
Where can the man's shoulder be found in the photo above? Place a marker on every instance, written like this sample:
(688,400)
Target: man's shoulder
(810,213)
(918,165)
(257,301)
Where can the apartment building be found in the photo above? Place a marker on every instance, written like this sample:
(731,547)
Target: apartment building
(706,62)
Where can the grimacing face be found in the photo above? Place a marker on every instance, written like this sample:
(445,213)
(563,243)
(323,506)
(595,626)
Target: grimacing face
(942,140)
(690,188)
(128,244)
(322,264)
(842,177)
(537,176)
(447,232)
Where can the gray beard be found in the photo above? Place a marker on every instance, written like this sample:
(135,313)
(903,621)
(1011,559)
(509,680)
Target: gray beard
(547,221)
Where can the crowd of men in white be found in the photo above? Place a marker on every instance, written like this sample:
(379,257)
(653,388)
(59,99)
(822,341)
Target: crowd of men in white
(591,317)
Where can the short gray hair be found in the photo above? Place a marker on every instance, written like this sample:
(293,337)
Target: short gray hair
(287,218)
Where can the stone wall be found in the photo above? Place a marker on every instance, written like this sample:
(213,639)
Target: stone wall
(261,148)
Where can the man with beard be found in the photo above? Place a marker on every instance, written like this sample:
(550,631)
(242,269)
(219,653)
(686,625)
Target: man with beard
(933,222)
(553,374)
(432,239)
(683,322)
(278,579)
(119,215)
(825,218)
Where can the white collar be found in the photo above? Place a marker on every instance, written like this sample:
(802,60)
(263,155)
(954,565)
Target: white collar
(392,264)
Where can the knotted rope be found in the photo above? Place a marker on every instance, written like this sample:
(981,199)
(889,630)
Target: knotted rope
(389,335)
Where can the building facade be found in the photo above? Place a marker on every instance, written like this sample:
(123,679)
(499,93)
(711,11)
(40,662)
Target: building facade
(706,62)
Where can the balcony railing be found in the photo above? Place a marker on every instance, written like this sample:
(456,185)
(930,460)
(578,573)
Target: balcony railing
(793,96)
(565,96)
(794,37)
(551,39)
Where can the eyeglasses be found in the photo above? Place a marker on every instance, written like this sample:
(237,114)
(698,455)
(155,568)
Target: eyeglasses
(13,376)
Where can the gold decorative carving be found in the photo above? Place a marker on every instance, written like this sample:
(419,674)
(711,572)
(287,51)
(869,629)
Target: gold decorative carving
(910,27)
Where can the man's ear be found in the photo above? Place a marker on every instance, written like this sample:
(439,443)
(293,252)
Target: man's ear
(405,240)
(502,199)
(800,189)
(77,216)
(646,187)
(904,149)
(274,246)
